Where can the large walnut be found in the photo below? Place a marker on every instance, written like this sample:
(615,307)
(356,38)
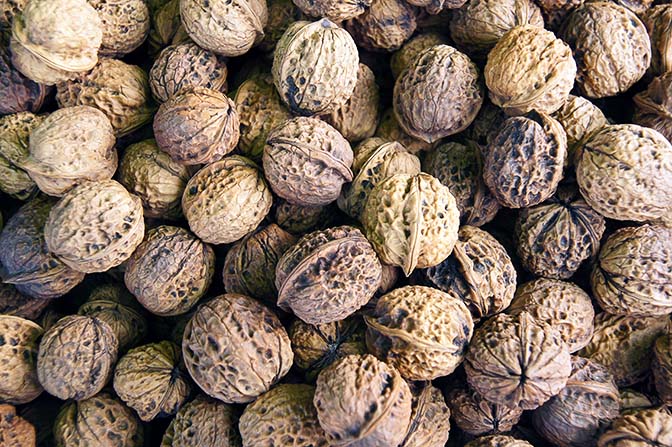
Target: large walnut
(662,367)
(203,422)
(478,416)
(430,418)
(498,441)
(581,119)
(657,21)
(15,431)
(639,429)
(14,133)
(125,318)
(336,10)
(19,93)
(404,56)
(125,25)
(14,303)
(18,355)
(653,106)
(385,26)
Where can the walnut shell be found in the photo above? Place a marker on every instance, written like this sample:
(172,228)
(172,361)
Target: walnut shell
(284,415)
(390,130)
(235,349)
(128,324)
(203,422)
(498,441)
(13,303)
(15,431)
(299,220)
(116,293)
(653,106)
(610,45)
(14,132)
(327,275)
(108,226)
(639,429)
(125,25)
(477,416)
(315,67)
(438,95)
(385,26)
(404,57)
(226,200)
(197,126)
(524,162)
(625,173)
(657,21)
(166,28)
(361,401)
(19,93)
(18,355)
(633,400)
(430,418)
(581,119)
(281,14)
(334,10)
(485,127)
(76,357)
(517,361)
(306,161)
(9,9)
(662,367)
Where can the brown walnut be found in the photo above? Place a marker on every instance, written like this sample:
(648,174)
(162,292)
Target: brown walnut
(653,106)
(662,367)
(404,56)
(19,93)
(385,26)
(14,133)
(430,418)
(281,14)
(203,422)
(658,21)
(13,303)
(478,416)
(166,26)
(639,429)
(299,220)
(127,322)
(581,119)
(390,130)
(18,355)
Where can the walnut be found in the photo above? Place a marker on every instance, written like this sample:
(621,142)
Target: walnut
(197,126)
(14,132)
(631,400)
(335,10)
(166,28)
(404,57)
(653,107)
(517,361)
(281,14)
(128,324)
(625,173)
(226,200)
(623,344)
(385,26)
(284,415)
(657,21)
(327,275)
(639,429)
(633,274)
(125,25)
(203,422)
(76,357)
(235,349)
(498,441)
(108,226)
(611,47)
(249,266)
(581,119)
(315,67)
(71,146)
(430,418)
(390,130)
(15,431)
(362,401)
(486,125)
(19,93)
(18,355)
(186,66)
(662,367)
(438,95)
(300,220)
(524,162)
(27,262)
(100,420)
(12,302)
(477,416)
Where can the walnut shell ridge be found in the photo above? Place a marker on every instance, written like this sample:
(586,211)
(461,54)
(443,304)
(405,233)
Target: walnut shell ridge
(18,355)
(477,416)
(125,25)
(203,422)
(385,26)
(639,429)
(430,418)
(14,133)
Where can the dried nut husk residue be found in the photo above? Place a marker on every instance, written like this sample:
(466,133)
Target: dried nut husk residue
(15,431)
(653,106)
(14,132)
(18,355)
(125,25)
(430,418)
(639,429)
(203,422)
(477,416)
(19,93)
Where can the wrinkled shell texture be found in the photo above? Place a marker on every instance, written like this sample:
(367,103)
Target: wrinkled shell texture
(662,367)
(524,162)
(170,271)
(14,303)
(95,226)
(72,145)
(149,380)
(517,361)
(390,130)
(479,272)
(430,419)
(27,262)
(14,430)
(438,95)
(633,274)
(653,107)
(76,357)
(197,126)
(281,14)
(300,220)
(128,324)
(639,429)
(14,132)
(404,57)
(226,200)
(336,10)
(486,125)
(385,26)
(361,401)
(167,28)
(100,420)
(477,416)
(610,45)
(328,275)
(306,161)
(18,355)
(283,416)
(625,173)
(315,67)
(235,349)
(203,422)
(412,221)
(18,92)
(657,21)
(125,25)
(498,441)
(581,119)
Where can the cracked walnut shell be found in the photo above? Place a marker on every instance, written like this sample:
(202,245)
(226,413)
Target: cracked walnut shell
(203,422)
(639,429)
(477,416)
(125,25)
(653,106)
(14,133)
(385,26)
(662,367)
(18,357)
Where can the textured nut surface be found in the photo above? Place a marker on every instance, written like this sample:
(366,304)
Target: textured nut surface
(639,429)
(404,57)
(299,220)
(14,132)
(430,418)
(12,302)
(385,26)
(235,349)
(166,28)
(390,130)
(19,93)
(498,441)
(336,10)
(477,416)
(128,324)
(662,367)
(657,21)
(125,25)
(653,107)
(281,14)
(18,355)
(581,119)
(203,422)
(9,9)
(14,430)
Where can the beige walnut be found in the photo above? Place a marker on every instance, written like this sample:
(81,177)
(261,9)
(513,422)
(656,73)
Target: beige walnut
(581,119)
(390,130)
(498,441)
(125,25)
(335,10)
(18,358)
(477,416)
(203,422)
(15,431)
(125,318)
(430,418)
(404,56)
(166,26)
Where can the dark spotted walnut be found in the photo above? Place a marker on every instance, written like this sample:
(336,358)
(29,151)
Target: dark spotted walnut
(125,25)
(203,422)
(498,441)
(385,26)
(12,302)
(299,220)
(662,367)
(15,431)
(653,107)
(657,21)
(430,418)
(336,10)
(652,427)
(125,319)
(18,353)
(19,93)
(404,56)
(581,119)
(14,132)
(477,416)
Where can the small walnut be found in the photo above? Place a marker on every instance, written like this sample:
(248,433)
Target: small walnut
(498,441)
(15,431)
(128,324)
(281,14)
(18,355)
(203,422)
(306,161)
(362,401)
(477,416)
(430,418)
(390,130)
(166,26)
(14,132)
(95,226)
(197,126)
(315,67)
(639,429)
(404,57)
(76,357)
(13,303)
(235,349)
(299,220)
(581,119)
(653,107)
(524,162)
(226,200)
(438,95)
(335,10)
(610,45)
(662,367)
(19,93)
(125,25)
(657,21)
(385,26)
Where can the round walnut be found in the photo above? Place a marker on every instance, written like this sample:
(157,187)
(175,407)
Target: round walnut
(662,367)
(27,262)
(306,161)
(642,428)
(101,421)
(385,26)
(125,25)
(226,200)
(71,146)
(76,357)
(128,324)
(284,415)
(197,126)
(412,221)
(249,266)
(315,67)
(14,132)
(203,422)
(18,355)
(327,275)
(235,349)
(581,119)
(477,416)
(633,274)
(479,272)
(438,95)
(404,57)
(430,418)
(548,66)
(300,220)
(524,162)
(625,173)
(13,303)
(517,361)
(150,380)
(186,66)
(166,26)
(653,106)
(19,93)
(610,45)
(95,226)
(577,415)
(498,441)
(335,10)
(390,130)
(658,21)
(362,401)
(281,14)
(15,431)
